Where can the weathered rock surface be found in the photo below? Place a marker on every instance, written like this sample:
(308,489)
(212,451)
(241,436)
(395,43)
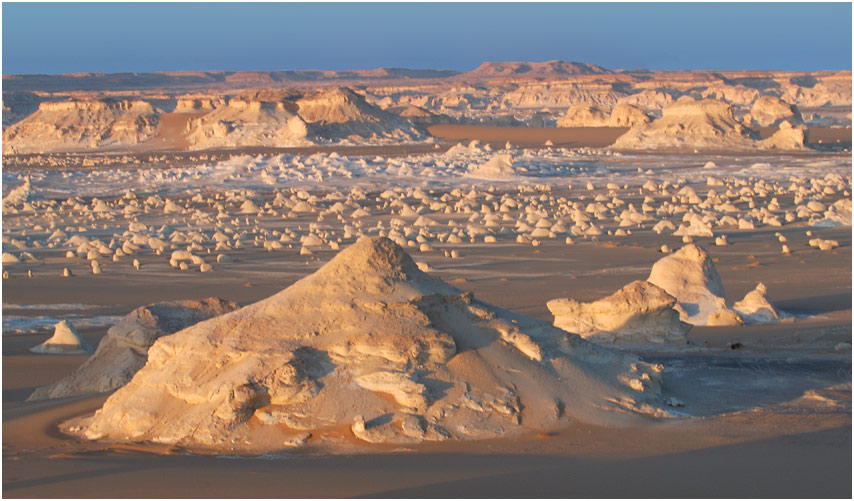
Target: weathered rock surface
(372,345)
(65,341)
(124,350)
(757,308)
(640,312)
(687,123)
(80,125)
(690,276)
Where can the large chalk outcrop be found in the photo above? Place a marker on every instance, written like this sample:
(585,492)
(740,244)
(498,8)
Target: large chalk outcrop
(769,111)
(370,346)
(124,350)
(787,137)
(706,124)
(582,115)
(638,313)
(690,276)
(247,122)
(627,115)
(338,113)
(80,125)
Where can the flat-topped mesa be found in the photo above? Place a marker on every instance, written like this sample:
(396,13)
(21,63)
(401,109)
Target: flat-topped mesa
(544,70)
(82,124)
(690,276)
(687,123)
(196,104)
(639,313)
(370,343)
(90,105)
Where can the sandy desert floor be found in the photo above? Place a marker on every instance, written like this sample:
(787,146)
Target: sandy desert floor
(767,406)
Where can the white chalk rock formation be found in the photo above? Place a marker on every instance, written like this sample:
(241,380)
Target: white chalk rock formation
(706,124)
(65,341)
(627,115)
(582,115)
(338,113)
(638,313)
(757,308)
(497,168)
(690,276)
(769,111)
(247,122)
(787,137)
(21,194)
(81,125)
(370,343)
(124,350)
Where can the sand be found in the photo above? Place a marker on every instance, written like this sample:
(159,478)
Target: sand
(773,400)
(784,449)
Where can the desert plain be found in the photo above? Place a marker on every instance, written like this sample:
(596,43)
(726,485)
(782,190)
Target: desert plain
(411,268)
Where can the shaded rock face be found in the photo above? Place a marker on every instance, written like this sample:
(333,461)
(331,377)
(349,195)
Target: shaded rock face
(638,313)
(372,347)
(771,111)
(787,137)
(690,276)
(757,308)
(124,350)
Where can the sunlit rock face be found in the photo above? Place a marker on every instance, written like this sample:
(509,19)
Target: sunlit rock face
(638,313)
(372,347)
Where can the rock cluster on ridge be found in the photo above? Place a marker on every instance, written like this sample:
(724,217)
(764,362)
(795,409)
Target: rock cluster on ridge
(371,345)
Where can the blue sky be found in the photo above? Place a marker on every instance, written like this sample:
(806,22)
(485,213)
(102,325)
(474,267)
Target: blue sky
(141,37)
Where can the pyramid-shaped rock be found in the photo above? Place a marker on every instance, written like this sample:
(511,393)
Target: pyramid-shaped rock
(369,347)
(65,341)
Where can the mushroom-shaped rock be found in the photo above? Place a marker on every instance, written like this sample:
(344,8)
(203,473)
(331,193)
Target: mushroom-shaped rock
(372,340)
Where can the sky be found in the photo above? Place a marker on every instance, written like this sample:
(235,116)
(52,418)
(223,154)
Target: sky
(55,38)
